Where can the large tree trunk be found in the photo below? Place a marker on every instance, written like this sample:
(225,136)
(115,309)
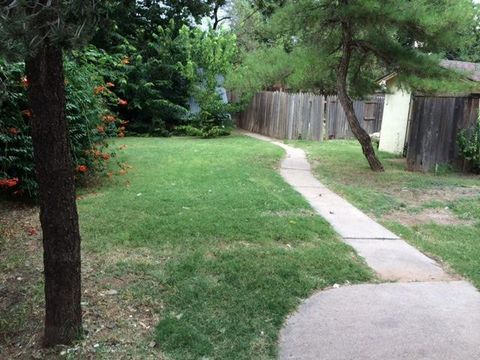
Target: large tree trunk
(347,103)
(58,210)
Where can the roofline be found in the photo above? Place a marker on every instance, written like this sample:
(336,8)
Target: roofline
(387,77)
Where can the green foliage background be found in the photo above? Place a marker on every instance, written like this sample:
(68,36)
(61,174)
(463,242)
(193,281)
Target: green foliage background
(297,44)
(85,108)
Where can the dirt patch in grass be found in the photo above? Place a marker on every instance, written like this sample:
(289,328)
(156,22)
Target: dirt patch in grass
(442,216)
(117,324)
(443,194)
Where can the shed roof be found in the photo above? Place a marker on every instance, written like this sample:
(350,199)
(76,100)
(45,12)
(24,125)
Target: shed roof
(472,69)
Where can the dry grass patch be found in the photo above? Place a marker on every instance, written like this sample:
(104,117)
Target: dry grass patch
(440,216)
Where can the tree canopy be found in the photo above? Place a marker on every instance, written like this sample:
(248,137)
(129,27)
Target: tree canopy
(344,46)
(409,37)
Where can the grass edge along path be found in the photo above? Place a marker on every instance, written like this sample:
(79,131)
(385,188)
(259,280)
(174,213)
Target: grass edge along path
(236,248)
(400,199)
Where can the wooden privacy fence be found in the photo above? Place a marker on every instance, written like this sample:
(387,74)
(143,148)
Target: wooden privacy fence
(284,116)
(306,116)
(433,130)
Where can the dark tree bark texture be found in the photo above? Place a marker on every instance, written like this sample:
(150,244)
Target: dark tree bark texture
(347,103)
(58,210)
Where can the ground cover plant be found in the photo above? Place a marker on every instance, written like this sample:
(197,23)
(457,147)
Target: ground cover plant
(438,213)
(203,235)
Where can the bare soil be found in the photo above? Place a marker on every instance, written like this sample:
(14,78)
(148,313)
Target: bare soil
(439,216)
(117,325)
(417,197)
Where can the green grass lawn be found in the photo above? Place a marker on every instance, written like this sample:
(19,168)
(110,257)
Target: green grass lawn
(225,247)
(438,213)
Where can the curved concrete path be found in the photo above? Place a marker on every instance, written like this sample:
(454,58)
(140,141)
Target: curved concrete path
(426,314)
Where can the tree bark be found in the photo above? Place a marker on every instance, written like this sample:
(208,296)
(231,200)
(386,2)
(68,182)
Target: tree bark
(215,15)
(58,210)
(347,103)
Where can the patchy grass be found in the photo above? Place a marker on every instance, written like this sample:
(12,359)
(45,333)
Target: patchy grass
(117,326)
(204,236)
(440,214)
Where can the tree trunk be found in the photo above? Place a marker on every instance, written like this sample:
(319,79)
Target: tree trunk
(215,15)
(58,210)
(347,103)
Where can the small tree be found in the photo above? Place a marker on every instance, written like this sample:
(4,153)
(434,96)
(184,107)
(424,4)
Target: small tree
(39,31)
(352,43)
(370,31)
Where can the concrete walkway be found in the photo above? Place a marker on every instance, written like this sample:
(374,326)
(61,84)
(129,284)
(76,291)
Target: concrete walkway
(426,314)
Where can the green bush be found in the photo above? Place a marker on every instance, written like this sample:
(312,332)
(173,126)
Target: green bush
(150,78)
(212,120)
(469,144)
(210,57)
(159,76)
(91,121)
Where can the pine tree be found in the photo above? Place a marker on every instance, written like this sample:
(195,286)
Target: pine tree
(353,42)
(38,32)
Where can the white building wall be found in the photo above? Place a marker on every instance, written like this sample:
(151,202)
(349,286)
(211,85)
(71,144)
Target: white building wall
(395,121)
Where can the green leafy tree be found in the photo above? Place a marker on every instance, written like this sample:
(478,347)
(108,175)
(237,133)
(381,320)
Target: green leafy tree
(137,20)
(160,78)
(469,50)
(352,42)
(209,58)
(147,34)
(155,86)
(39,31)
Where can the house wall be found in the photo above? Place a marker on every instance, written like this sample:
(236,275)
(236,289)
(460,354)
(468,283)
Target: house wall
(395,119)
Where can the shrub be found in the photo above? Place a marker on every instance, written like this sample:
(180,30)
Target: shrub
(469,144)
(16,154)
(151,79)
(210,56)
(159,77)
(89,113)
(211,121)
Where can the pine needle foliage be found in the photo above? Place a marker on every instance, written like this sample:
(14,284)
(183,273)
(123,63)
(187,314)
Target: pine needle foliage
(408,37)
(25,24)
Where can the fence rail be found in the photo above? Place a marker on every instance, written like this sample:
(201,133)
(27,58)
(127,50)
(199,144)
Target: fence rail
(306,116)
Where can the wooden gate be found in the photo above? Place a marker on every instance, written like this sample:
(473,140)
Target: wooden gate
(369,114)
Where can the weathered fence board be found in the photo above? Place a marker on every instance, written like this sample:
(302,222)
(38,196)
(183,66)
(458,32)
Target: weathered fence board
(369,113)
(433,130)
(284,116)
(306,116)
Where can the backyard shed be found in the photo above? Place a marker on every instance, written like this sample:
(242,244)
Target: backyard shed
(398,107)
